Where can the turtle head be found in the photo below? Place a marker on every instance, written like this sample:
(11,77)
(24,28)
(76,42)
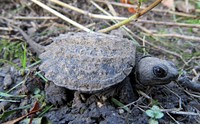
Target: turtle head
(154,71)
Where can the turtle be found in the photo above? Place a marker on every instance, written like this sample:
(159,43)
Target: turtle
(94,62)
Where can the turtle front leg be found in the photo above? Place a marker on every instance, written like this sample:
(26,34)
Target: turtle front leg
(124,91)
(127,93)
(55,95)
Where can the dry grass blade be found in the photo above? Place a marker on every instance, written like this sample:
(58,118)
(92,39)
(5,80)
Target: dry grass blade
(86,12)
(133,17)
(156,10)
(169,23)
(34,18)
(160,33)
(150,33)
(36,47)
(6,28)
(115,21)
(104,17)
(182,113)
(191,38)
(33,110)
(61,16)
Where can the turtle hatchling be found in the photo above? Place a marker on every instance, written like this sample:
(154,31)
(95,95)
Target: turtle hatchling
(92,62)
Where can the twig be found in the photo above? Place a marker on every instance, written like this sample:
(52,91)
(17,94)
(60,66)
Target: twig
(150,33)
(185,37)
(115,17)
(172,118)
(154,4)
(14,22)
(191,94)
(88,26)
(115,21)
(157,47)
(6,28)
(169,23)
(195,72)
(36,47)
(86,12)
(11,38)
(180,112)
(135,16)
(154,9)
(4,37)
(111,8)
(160,48)
(144,95)
(61,16)
(34,18)
(186,82)
(179,101)
(133,103)
(174,110)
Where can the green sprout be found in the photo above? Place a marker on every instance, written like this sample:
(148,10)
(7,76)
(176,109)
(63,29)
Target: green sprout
(10,51)
(154,113)
(23,59)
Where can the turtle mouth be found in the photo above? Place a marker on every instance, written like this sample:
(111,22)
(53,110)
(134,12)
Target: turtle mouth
(174,76)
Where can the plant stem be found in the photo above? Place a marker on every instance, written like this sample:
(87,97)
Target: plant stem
(135,16)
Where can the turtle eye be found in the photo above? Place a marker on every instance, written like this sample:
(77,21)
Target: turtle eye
(159,71)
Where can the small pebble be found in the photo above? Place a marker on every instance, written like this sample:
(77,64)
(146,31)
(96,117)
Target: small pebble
(121,111)
(99,104)
(4,70)
(4,105)
(7,81)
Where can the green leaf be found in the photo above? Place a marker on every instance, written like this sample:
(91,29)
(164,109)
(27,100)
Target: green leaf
(10,63)
(2,94)
(24,60)
(5,114)
(41,76)
(5,94)
(36,91)
(8,100)
(118,103)
(155,108)
(154,112)
(150,113)
(46,109)
(41,120)
(153,121)
(159,115)
(198,5)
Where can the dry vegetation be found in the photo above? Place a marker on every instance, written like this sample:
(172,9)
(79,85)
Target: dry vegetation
(169,31)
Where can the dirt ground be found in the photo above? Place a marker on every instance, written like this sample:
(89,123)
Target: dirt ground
(166,34)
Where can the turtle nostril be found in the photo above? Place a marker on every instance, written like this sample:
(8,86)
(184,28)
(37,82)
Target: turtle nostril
(177,75)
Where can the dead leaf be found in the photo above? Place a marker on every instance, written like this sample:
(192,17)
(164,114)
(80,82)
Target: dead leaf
(168,3)
(35,109)
(131,10)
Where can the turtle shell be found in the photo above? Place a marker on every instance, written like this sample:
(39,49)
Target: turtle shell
(88,62)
